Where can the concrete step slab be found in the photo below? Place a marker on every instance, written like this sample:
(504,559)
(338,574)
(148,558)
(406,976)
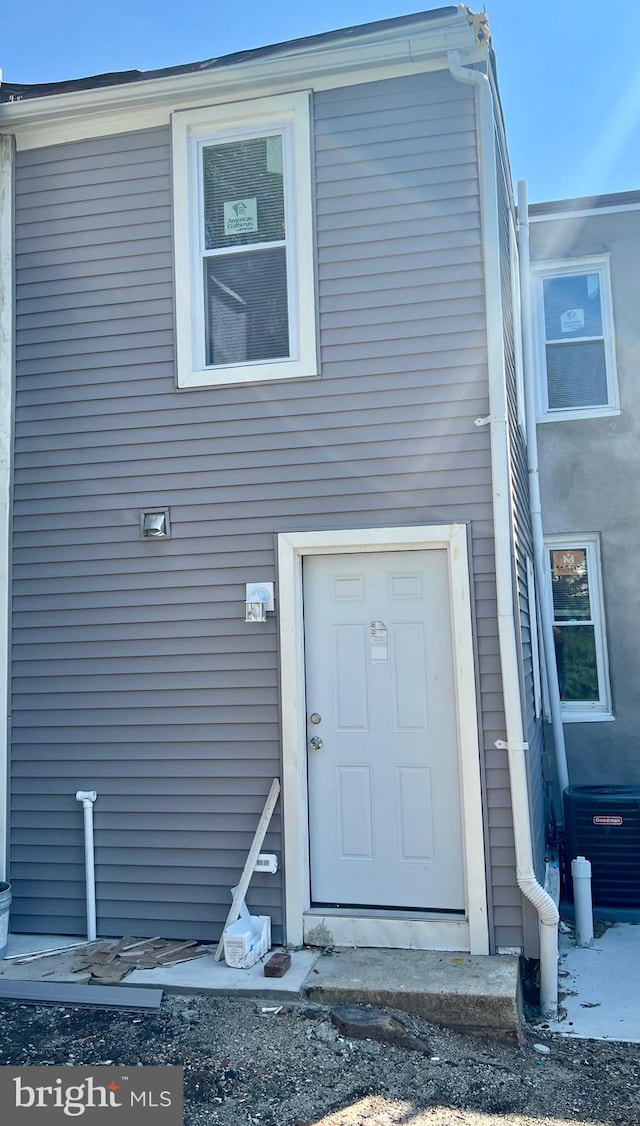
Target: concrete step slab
(473,993)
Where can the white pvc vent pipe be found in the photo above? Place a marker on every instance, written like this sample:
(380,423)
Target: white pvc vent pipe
(581,876)
(87,797)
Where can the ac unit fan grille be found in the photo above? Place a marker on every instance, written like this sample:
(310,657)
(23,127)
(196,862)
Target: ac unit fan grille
(613,849)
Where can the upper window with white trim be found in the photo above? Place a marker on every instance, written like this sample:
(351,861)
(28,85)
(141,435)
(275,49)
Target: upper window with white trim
(578,627)
(576,352)
(245,305)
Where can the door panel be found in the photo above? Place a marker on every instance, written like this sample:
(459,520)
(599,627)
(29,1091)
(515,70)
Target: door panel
(384,799)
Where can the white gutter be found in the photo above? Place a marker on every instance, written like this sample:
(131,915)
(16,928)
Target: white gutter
(7,155)
(516,744)
(293,66)
(539,557)
(581,212)
(87,797)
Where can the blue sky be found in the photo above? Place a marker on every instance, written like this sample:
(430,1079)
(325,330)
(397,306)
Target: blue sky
(569,70)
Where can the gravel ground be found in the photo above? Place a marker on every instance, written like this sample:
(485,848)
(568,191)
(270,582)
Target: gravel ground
(245,1067)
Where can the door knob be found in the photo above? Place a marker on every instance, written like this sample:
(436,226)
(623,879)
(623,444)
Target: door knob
(315,743)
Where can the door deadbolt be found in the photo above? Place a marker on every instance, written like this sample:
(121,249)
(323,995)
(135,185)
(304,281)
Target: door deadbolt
(315,717)
(315,743)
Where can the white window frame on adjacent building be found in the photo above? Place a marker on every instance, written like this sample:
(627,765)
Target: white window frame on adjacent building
(600,709)
(286,116)
(575,267)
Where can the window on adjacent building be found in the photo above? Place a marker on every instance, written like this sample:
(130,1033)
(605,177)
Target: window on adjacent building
(578,627)
(575,336)
(243,242)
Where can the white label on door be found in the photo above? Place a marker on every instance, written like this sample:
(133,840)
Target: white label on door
(379,648)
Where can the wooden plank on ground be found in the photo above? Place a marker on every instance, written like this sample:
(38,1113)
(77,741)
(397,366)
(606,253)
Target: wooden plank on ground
(245,879)
(22,959)
(61,993)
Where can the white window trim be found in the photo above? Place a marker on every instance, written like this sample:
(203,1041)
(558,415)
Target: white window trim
(287,114)
(581,712)
(596,264)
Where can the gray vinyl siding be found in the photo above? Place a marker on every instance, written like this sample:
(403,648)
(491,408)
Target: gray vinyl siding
(523,550)
(134,672)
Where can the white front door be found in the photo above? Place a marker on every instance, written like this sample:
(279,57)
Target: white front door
(383,771)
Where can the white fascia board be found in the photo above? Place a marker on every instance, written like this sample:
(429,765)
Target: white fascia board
(581,213)
(79,114)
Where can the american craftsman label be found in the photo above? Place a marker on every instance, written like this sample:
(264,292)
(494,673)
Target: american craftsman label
(572,320)
(240,216)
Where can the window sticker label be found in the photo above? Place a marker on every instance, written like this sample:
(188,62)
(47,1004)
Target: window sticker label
(240,216)
(572,320)
(570,562)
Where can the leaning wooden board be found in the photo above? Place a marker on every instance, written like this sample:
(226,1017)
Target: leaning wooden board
(247,872)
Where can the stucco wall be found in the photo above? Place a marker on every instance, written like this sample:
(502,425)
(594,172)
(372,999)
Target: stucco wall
(590,480)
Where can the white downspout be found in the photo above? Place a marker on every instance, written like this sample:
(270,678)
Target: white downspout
(87,797)
(7,161)
(539,560)
(516,745)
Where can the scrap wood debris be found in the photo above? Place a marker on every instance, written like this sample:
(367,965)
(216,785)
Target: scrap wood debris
(111,961)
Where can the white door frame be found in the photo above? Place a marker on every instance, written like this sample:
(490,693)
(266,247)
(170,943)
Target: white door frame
(439,933)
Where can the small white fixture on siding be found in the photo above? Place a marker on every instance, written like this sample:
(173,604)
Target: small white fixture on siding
(258,599)
(155,524)
(267,862)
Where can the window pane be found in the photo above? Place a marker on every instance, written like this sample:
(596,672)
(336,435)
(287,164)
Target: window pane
(246,306)
(570,585)
(577,668)
(576,375)
(572,306)
(243,192)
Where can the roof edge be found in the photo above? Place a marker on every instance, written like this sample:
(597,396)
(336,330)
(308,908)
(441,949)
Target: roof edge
(404,45)
(14,92)
(585,203)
